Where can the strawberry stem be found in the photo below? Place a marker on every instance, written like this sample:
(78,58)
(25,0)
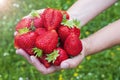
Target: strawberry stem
(37,52)
(52,56)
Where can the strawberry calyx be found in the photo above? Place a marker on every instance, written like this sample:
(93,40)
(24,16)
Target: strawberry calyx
(34,13)
(52,56)
(70,23)
(37,52)
(23,30)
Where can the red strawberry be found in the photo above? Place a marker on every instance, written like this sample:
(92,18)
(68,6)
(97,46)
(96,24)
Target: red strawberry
(40,31)
(57,56)
(26,40)
(29,51)
(63,32)
(38,22)
(37,19)
(73,45)
(25,22)
(44,61)
(75,30)
(62,56)
(47,42)
(52,18)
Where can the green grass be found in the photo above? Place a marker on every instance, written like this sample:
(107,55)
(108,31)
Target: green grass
(102,66)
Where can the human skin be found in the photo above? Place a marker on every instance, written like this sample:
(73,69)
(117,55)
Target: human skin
(107,36)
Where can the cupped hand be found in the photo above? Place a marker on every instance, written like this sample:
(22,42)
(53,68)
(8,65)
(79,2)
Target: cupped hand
(66,64)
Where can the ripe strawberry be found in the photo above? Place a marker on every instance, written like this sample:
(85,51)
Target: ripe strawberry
(37,19)
(29,51)
(62,56)
(57,56)
(38,22)
(47,42)
(25,22)
(40,31)
(63,32)
(73,45)
(26,40)
(44,61)
(52,18)
(75,30)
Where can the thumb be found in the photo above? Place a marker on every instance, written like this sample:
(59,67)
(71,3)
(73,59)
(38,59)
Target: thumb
(72,63)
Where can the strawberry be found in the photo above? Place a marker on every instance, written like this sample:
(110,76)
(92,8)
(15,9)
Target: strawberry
(47,42)
(40,31)
(75,30)
(73,45)
(38,22)
(68,26)
(41,57)
(62,56)
(26,40)
(44,61)
(63,32)
(57,56)
(29,51)
(24,23)
(37,19)
(52,18)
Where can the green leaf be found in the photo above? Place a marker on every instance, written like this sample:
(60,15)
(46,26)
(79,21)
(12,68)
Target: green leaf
(37,52)
(70,23)
(23,30)
(76,22)
(34,13)
(52,56)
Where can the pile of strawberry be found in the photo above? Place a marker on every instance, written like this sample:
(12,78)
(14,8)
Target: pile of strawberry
(49,35)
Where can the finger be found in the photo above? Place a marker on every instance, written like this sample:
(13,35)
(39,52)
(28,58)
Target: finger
(73,62)
(24,54)
(40,11)
(15,33)
(40,67)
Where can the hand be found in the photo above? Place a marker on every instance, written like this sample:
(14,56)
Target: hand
(69,63)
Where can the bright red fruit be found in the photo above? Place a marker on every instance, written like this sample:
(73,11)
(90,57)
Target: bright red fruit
(62,56)
(29,51)
(47,42)
(25,22)
(38,22)
(26,40)
(40,31)
(75,30)
(73,45)
(44,61)
(52,18)
(63,32)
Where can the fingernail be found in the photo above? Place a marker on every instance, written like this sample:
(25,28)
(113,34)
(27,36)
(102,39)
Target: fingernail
(32,59)
(17,51)
(64,65)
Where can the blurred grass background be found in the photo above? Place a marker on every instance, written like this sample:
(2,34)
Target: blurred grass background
(102,66)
